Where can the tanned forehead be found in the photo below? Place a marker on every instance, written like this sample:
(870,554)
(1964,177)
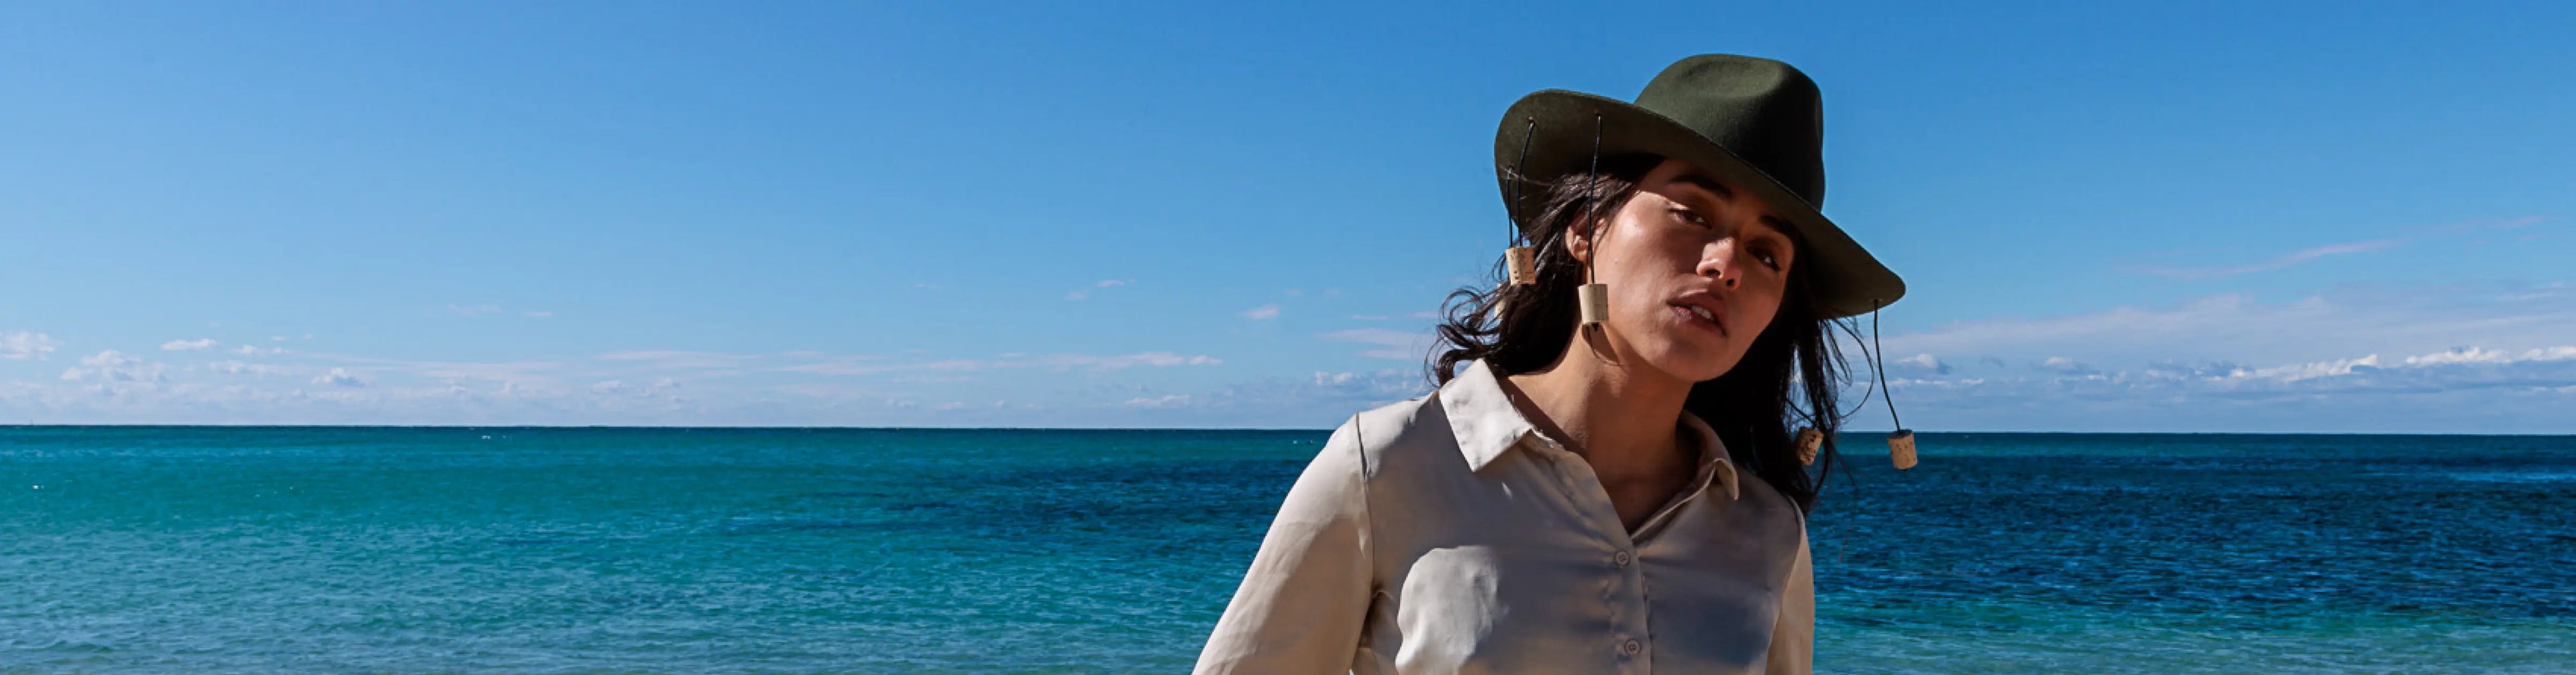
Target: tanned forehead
(1714,188)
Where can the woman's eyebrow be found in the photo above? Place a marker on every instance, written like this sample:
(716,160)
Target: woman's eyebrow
(1705,183)
(1778,226)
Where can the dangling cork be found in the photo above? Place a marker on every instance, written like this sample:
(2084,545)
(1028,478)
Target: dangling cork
(1900,448)
(1593,302)
(1809,439)
(1522,261)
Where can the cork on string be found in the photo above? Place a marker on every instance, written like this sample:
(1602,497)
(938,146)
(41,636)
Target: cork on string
(1520,261)
(1809,441)
(1900,443)
(1594,302)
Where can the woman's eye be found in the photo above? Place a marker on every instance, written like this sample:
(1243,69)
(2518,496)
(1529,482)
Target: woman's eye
(1690,216)
(1767,259)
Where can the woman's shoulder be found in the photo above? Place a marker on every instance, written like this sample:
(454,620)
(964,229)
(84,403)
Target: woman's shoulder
(1769,504)
(1775,518)
(1400,434)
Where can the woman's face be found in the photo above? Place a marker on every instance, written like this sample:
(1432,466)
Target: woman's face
(1695,268)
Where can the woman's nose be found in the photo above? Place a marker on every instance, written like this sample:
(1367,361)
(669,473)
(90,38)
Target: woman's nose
(1717,260)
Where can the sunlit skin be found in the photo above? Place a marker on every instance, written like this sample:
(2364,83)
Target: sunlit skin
(1685,239)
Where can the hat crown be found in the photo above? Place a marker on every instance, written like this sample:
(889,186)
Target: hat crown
(1765,112)
(1753,123)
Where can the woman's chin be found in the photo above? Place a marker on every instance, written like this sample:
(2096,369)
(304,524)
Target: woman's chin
(1687,362)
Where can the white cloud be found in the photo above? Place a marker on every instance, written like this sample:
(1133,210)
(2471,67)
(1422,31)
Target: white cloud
(1096,286)
(2337,249)
(2285,260)
(2308,371)
(2242,329)
(1926,363)
(2470,367)
(664,392)
(672,358)
(339,377)
(2063,365)
(246,368)
(2554,289)
(2476,355)
(1389,344)
(1321,399)
(1156,359)
(23,345)
(113,366)
(248,350)
(1158,402)
(472,310)
(524,373)
(188,345)
(1262,313)
(2356,359)
(872,365)
(2332,361)
(2469,389)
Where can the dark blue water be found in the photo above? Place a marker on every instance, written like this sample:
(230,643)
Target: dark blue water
(677,550)
(2204,553)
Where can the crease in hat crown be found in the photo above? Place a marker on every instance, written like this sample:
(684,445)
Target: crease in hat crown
(1756,123)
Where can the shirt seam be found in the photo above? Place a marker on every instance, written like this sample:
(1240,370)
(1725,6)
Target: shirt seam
(1368,516)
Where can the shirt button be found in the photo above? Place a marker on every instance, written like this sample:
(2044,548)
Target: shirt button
(1620,558)
(1631,648)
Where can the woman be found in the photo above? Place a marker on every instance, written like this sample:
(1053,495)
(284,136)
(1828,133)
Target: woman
(1602,488)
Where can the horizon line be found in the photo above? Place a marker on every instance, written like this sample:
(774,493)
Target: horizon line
(755,427)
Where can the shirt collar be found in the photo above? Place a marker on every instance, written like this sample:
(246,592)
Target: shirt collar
(1486,424)
(1481,416)
(1717,460)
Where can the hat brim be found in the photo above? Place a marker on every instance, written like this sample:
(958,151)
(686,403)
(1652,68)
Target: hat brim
(1847,280)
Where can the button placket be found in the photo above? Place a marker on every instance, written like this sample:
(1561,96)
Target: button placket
(1582,492)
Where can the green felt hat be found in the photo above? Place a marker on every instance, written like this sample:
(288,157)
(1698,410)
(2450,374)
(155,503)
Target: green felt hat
(1757,124)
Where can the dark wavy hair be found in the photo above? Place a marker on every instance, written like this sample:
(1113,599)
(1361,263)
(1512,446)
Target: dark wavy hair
(1786,379)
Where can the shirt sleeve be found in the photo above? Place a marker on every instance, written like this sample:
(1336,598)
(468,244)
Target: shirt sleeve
(1303,602)
(1793,638)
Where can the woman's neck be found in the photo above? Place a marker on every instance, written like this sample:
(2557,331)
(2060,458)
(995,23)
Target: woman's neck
(1623,419)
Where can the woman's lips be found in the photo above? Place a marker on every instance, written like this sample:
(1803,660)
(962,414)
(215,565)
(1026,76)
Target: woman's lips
(1690,316)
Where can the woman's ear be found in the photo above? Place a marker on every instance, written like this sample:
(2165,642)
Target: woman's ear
(1578,241)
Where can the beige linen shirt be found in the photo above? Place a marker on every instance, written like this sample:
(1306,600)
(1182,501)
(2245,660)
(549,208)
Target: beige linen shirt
(1443,535)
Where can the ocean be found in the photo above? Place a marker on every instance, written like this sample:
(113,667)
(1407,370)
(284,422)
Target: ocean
(606,550)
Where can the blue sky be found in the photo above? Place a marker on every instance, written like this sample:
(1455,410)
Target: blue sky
(2165,217)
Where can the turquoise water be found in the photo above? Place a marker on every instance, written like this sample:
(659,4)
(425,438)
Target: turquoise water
(139,549)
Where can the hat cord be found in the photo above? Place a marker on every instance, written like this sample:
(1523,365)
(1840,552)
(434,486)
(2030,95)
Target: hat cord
(1879,363)
(1512,209)
(1592,207)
